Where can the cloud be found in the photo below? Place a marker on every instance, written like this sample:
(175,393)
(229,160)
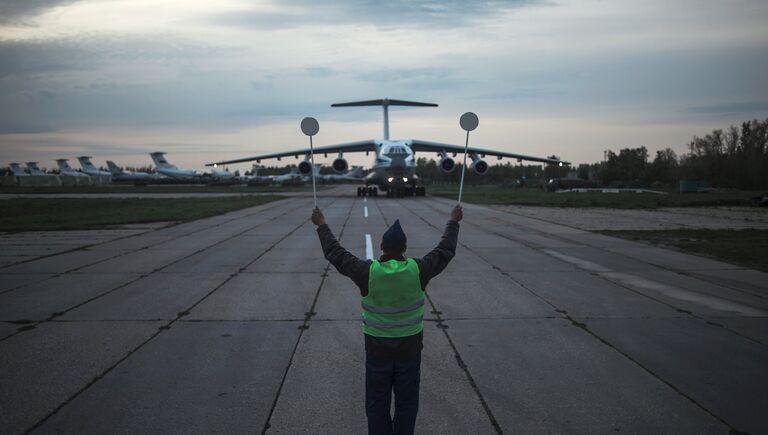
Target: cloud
(87,53)
(125,66)
(17,12)
(381,14)
(747,107)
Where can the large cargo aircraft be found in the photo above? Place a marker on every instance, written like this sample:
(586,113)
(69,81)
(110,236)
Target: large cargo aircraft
(293,177)
(163,167)
(17,170)
(118,174)
(90,169)
(353,175)
(35,170)
(65,169)
(255,179)
(394,165)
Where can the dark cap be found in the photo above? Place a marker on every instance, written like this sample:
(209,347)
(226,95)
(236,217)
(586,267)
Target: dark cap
(394,238)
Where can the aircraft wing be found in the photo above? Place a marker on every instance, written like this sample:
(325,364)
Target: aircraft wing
(426,146)
(350,147)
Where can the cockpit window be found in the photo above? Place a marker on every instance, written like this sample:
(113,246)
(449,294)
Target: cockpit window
(397,150)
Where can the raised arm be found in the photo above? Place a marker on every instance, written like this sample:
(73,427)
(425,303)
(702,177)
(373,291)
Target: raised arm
(436,260)
(344,261)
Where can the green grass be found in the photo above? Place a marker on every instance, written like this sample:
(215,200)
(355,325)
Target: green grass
(631,200)
(46,214)
(748,248)
(179,188)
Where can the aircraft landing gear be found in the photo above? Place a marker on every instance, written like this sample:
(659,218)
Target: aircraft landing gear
(367,191)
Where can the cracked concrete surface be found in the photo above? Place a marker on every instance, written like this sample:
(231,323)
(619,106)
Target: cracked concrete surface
(235,324)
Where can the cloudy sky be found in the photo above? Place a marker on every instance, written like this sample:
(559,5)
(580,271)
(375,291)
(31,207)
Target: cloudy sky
(207,80)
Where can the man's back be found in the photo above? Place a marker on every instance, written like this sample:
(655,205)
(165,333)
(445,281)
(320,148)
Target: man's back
(392,297)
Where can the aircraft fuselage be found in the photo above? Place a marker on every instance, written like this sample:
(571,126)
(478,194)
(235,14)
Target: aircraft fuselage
(393,166)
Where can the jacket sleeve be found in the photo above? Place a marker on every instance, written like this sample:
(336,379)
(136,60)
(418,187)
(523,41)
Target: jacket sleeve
(433,263)
(344,261)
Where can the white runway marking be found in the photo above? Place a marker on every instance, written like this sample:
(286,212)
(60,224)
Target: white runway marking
(368,247)
(365,211)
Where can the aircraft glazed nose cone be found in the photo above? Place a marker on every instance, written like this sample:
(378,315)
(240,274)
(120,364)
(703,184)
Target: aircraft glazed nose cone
(398,164)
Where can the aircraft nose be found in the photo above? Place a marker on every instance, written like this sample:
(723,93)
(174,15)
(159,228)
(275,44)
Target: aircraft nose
(398,165)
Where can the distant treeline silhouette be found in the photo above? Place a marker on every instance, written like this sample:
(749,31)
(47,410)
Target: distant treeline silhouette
(734,158)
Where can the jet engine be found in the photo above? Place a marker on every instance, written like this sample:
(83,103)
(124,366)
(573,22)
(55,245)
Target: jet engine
(305,167)
(446,164)
(479,166)
(340,165)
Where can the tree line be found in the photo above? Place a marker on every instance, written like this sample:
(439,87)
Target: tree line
(734,158)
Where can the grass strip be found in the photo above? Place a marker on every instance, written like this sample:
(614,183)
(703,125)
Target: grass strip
(747,248)
(177,188)
(48,214)
(624,200)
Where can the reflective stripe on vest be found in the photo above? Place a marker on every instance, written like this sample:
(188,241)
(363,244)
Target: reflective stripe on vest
(393,324)
(392,310)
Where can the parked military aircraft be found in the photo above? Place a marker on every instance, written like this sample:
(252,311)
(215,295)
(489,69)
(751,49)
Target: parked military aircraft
(35,170)
(163,167)
(118,174)
(254,179)
(394,165)
(17,170)
(293,177)
(353,175)
(90,169)
(65,169)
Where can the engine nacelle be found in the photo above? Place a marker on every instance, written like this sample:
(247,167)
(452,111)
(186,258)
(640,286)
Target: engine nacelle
(479,167)
(305,167)
(446,164)
(340,165)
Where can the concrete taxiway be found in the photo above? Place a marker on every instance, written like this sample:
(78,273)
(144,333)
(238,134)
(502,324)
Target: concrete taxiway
(236,324)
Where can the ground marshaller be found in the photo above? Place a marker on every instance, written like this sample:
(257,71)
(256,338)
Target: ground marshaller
(392,290)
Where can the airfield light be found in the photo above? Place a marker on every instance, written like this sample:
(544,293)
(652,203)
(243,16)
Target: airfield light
(561,164)
(215,165)
(390,179)
(405,179)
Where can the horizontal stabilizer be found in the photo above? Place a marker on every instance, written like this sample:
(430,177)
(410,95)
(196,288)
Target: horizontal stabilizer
(384,102)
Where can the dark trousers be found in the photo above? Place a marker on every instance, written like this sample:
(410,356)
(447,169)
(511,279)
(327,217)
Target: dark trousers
(382,376)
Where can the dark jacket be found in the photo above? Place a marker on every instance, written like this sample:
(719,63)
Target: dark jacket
(356,269)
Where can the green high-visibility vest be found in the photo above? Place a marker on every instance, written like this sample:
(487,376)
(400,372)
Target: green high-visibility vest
(394,306)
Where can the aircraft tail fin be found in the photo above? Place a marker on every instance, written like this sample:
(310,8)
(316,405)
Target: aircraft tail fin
(160,160)
(63,165)
(34,169)
(85,163)
(385,103)
(113,168)
(17,169)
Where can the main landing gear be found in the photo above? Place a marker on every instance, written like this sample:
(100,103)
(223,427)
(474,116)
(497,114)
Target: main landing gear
(393,192)
(402,192)
(367,191)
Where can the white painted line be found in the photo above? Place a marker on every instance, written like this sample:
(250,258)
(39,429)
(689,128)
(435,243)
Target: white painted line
(368,247)
(365,211)
(365,199)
